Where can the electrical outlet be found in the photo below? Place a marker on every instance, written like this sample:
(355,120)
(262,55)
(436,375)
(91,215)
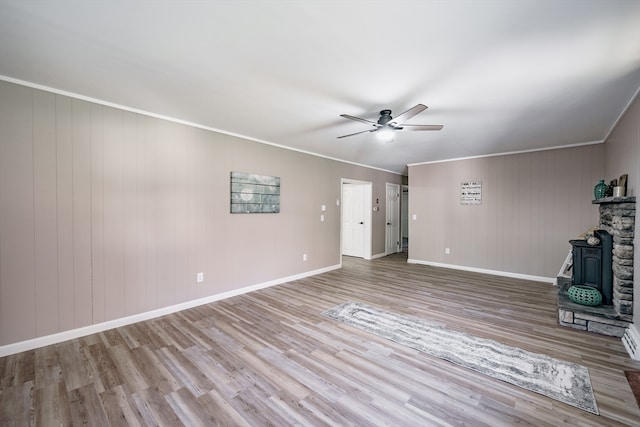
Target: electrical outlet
(199,277)
(414,217)
(447,251)
(304,257)
(321,218)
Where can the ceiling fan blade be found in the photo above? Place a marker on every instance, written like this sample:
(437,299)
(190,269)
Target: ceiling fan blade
(409,113)
(358,119)
(357,133)
(420,127)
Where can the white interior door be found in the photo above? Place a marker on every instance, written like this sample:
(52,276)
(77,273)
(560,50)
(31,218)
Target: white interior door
(392,233)
(353,220)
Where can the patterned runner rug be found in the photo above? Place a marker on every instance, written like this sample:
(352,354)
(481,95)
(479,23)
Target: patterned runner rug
(557,379)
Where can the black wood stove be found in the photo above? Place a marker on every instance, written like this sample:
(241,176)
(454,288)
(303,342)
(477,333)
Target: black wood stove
(592,264)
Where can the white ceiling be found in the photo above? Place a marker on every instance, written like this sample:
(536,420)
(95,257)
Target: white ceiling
(501,76)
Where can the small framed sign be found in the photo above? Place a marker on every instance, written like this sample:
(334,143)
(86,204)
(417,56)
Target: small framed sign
(471,193)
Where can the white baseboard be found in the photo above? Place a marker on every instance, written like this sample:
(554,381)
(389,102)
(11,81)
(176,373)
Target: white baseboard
(484,271)
(378,255)
(31,344)
(631,341)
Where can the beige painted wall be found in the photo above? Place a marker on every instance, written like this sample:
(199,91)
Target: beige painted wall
(106,213)
(532,204)
(623,156)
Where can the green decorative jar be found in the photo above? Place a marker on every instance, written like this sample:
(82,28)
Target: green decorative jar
(600,190)
(585,295)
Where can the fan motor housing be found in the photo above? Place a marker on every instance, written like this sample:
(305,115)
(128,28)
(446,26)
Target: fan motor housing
(385,117)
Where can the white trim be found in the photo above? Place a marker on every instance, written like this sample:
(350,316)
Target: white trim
(484,271)
(180,121)
(31,344)
(631,341)
(376,256)
(508,153)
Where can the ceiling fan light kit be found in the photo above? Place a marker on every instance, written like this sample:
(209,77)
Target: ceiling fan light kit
(386,126)
(386,134)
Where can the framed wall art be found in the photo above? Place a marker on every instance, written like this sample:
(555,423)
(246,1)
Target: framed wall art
(251,193)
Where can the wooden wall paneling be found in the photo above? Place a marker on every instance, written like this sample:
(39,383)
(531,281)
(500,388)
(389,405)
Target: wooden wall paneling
(525,218)
(559,196)
(439,190)
(218,219)
(588,176)
(332,236)
(311,207)
(45,209)
(512,210)
(584,212)
(64,192)
(501,216)
(113,214)
(245,270)
(141,210)
(132,215)
(97,215)
(623,149)
(490,209)
(183,144)
(572,197)
(486,246)
(525,214)
(81,114)
(471,215)
(505,214)
(464,229)
(3,291)
(175,206)
(592,173)
(455,218)
(428,237)
(17,274)
(192,211)
(548,211)
(164,191)
(538,206)
(299,218)
(559,209)
(420,194)
(149,296)
(195,214)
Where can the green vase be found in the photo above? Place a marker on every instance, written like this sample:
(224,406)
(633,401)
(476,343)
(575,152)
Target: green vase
(600,190)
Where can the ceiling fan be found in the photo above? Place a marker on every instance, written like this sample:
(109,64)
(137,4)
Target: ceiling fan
(386,125)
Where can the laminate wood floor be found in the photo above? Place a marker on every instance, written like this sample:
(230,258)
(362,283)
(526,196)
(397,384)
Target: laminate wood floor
(269,358)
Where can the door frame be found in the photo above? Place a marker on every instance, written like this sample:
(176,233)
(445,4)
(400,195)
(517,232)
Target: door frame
(389,203)
(368,208)
(404,215)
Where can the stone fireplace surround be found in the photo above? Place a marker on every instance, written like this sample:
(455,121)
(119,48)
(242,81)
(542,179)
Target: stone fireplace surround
(617,217)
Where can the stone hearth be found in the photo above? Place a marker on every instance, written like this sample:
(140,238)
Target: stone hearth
(617,217)
(602,319)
